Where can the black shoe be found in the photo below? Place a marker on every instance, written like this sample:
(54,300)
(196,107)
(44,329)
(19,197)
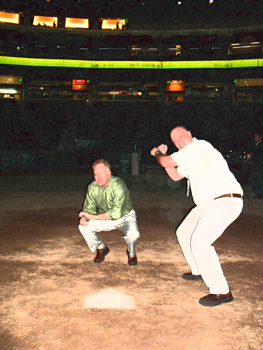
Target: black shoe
(131,261)
(101,253)
(216,299)
(190,277)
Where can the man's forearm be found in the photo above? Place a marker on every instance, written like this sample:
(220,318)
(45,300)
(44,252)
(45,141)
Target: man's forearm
(103,216)
(88,216)
(164,160)
(161,158)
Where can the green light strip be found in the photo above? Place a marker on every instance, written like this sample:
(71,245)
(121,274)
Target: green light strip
(42,62)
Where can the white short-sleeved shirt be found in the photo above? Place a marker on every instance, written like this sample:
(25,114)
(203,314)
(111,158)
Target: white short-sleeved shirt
(206,170)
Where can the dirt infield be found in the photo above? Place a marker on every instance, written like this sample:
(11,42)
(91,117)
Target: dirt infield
(47,271)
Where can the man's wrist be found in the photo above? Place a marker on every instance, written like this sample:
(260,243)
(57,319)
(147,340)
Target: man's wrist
(156,153)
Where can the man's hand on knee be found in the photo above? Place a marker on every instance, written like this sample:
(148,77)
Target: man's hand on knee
(83,221)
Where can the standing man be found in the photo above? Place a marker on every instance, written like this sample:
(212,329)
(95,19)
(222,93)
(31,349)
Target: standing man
(107,207)
(256,168)
(218,199)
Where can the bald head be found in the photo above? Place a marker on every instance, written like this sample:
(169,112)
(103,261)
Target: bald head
(181,137)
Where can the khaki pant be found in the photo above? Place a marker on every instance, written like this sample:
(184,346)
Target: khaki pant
(127,224)
(199,230)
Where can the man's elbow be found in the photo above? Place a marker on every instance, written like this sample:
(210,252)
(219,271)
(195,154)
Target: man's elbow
(177,177)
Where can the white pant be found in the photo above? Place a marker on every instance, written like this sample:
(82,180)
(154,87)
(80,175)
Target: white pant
(127,224)
(198,231)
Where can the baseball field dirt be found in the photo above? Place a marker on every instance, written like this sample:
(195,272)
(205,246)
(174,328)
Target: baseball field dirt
(47,272)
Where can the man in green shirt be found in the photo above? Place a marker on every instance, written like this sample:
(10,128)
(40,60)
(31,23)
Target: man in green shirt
(107,207)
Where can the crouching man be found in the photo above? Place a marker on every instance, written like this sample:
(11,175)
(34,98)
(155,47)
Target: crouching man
(107,207)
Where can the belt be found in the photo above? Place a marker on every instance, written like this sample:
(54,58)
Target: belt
(230,195)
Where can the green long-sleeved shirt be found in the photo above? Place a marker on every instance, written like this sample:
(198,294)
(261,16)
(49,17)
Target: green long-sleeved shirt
(114,199)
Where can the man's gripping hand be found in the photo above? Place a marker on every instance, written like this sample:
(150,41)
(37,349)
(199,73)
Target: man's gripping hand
(83,220)
(161,148)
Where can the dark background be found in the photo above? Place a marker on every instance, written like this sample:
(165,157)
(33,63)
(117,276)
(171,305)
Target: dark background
(123,127)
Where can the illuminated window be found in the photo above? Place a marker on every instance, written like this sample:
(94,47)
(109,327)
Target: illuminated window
(113,24)
(45,21)
(10,87)
(80,84)
(7,17)
(175,85)
(77,23)
(249,89)
(8,91)
(244,48)
(10,79)
(249,82)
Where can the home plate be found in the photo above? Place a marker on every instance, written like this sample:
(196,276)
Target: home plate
(109,298)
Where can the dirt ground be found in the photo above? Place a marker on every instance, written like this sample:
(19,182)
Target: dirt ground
(47,271)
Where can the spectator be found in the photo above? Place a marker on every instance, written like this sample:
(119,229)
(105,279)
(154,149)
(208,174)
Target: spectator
(256,168)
